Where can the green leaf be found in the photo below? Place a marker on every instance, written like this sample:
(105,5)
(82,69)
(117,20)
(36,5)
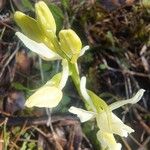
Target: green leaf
(65,3)
(19,86)
(111,38)
(102,66)
(63,105)
(27,4)
(32,146)
(46,66)
(16,130)
(25,143)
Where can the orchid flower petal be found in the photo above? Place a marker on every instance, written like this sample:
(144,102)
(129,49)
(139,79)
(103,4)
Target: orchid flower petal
(114,126)
(39,48)
(85,93)
(82,114)
(65,74)
(132,100)
(83,89)
(46,96)
(118,127)
(108,141)
(83,50)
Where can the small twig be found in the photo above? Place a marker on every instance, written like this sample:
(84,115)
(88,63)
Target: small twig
(49,137)
(87,140)
(126,144)
(17,138)
(139,118)
(2,33)
(9,59)
(49,121)
(12,144)
(146,141)
(140,108)
(15,121)
(8,43)
(27,140)
(125,71)
(143,59)
(134,140)
(8,26)
(41,132)
(41,69)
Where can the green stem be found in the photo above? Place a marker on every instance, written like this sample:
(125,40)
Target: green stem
(75,77)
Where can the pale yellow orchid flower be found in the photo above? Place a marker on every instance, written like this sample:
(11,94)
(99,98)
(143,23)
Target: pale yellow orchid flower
(108,125)
(42,50)
(40,36)
(50,94)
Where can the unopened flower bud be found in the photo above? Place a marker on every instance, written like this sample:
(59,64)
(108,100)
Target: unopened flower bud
(70,44)
(45,18)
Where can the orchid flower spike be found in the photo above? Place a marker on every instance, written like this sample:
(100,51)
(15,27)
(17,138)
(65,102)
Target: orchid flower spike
(40,36)
(50,94)
(107,121)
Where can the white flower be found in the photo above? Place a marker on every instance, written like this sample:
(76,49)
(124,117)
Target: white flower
(107,121)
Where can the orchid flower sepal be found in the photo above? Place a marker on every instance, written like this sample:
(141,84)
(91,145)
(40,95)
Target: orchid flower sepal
(39,48)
